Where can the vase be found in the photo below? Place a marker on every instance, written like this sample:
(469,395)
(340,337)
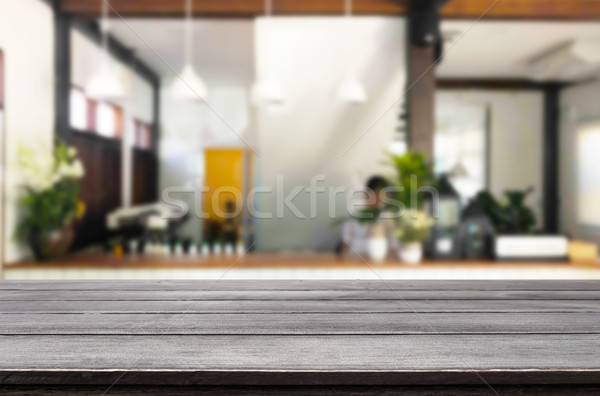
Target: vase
(377,244)
(51,245)
(411,253)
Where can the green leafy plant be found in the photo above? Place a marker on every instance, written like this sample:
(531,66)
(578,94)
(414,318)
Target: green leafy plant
(50,191)
(510,216)
(413,172)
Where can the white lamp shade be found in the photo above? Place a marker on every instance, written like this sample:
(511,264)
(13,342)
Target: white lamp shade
(105,84)
(458,170)
(351,91)
(188,85)
(267,92)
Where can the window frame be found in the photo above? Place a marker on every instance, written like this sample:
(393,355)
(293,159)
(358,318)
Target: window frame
(92,117)
(580,128)
(485,150)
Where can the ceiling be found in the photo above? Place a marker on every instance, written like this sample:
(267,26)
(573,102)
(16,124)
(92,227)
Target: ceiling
(223,49)
(497,49)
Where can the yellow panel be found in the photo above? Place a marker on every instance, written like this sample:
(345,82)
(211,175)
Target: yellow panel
(224,172)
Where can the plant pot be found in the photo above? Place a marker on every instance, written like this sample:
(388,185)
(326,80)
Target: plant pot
(377,245)
(55,244)
(411,253)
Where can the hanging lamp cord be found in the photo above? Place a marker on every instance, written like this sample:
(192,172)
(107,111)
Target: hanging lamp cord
(189,31)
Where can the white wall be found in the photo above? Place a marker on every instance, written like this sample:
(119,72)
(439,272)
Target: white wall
(516,139)
(27,39)
(578,104)
(310,134)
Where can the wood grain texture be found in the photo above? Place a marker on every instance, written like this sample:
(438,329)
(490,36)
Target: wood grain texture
(301,353)
(471,390)
(293,307)
(295,295)
(299,324)
(300,285)
(292,333)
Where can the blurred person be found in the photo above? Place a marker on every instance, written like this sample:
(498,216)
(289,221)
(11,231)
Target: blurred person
(356,232)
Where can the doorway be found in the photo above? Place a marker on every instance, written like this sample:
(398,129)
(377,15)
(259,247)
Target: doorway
(228,178)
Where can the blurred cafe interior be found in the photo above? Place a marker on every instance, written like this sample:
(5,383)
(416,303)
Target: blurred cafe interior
(272,139)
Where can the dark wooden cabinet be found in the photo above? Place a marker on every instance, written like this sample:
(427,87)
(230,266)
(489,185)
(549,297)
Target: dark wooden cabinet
(145,177)
(100,187)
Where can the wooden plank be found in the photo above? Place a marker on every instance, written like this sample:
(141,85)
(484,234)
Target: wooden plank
(299,324)
(549,352)
(295,295)
(466,9)
(299,285)
(307,306)
(381,390)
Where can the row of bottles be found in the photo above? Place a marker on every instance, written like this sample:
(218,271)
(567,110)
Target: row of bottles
(179,248)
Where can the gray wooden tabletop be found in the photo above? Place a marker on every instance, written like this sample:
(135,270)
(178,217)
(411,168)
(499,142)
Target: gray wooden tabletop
(299,332)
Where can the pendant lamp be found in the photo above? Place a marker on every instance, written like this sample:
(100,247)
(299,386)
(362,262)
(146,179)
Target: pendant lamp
(105,83)
(188,85)
(266,90)
(350,90)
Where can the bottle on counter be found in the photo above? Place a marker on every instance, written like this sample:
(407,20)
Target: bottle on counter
(133,246)
(166,249)
(217,250)
(193,249)
(178,248)
(240,248)
(205,250)
(118,250)
(147,248)
(228,250)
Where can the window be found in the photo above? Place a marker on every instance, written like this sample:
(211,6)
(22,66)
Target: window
(106,122)
(88,115)
(460,146)
(588,183)
(78,110)
(143,135)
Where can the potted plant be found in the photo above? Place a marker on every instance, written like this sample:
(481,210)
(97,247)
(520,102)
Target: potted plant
(413,173)
(50,200)
(413,229)
(511,216)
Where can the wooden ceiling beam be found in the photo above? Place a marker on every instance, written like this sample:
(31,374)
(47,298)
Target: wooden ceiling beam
(523,9)
(234,8)
(454,9)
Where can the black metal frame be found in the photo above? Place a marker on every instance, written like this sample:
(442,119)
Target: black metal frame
(551,160)
(551,157)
